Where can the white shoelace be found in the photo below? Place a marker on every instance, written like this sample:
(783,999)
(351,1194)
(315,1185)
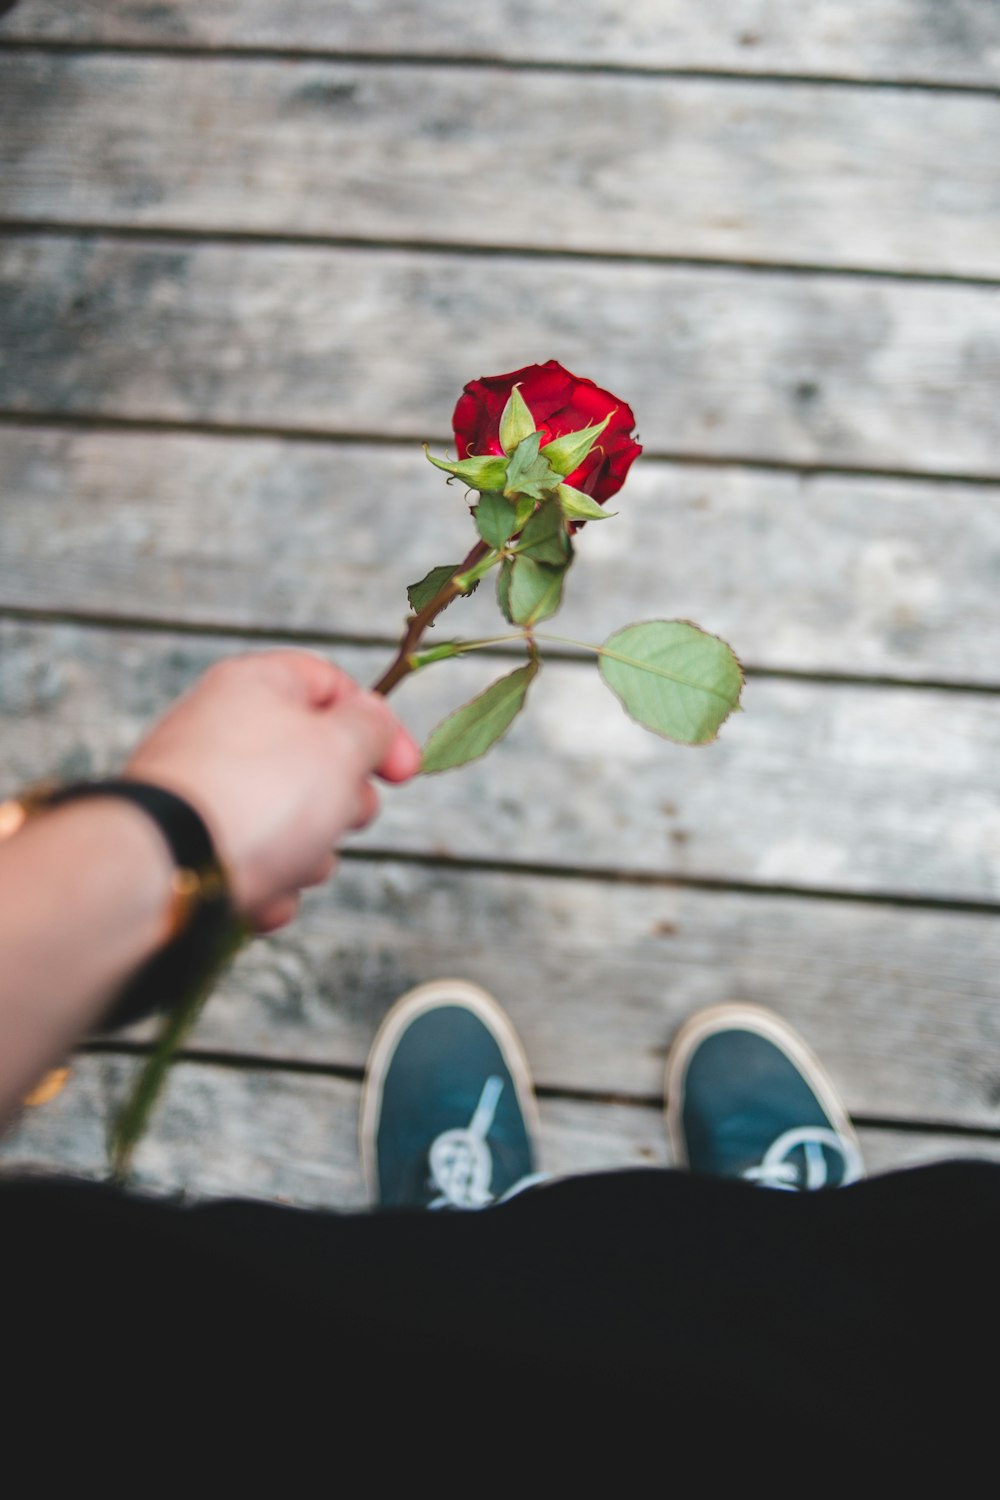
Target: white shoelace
(776,1170)
(461,1163)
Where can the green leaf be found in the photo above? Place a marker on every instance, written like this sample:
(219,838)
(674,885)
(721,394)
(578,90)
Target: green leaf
(673,678)
(516,423)
(527,472)
(486,473)
(420,594)
(535,591)
(567,453)
(545,538)
(496,519)
(579,507)
(503,589)
(473,729)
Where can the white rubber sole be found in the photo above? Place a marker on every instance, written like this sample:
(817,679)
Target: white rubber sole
(415,1002)
(763,1022)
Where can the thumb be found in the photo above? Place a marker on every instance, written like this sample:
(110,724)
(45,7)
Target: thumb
(365,726)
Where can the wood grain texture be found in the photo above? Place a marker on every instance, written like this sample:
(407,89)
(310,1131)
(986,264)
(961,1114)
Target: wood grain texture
(786,173)
(829,573)
(844,788)
(901,1005)
(722,363)
(839,787)
(953,42)
(280,1137)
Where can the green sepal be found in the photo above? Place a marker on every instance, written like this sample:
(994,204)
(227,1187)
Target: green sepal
(486,473)
(579,507)
(544,538)
(468,581)
(496,519)
(535,591)
(475,727)
(420,594)
(527,472)
(568,452)
(524,509)
(516,423)
(673,678)
(444,652)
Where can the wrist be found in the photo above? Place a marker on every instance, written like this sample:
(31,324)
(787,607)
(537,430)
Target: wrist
(141,769)
(178,877)
(84,889)
(123,858)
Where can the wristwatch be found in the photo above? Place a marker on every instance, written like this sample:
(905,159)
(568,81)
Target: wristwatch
(199,916)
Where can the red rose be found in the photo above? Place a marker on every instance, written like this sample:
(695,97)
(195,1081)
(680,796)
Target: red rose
(560,403)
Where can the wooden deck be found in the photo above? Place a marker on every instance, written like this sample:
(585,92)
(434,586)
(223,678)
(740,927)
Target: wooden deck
(249,256)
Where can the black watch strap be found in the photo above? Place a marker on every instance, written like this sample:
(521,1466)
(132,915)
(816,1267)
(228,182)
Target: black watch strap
(184,829)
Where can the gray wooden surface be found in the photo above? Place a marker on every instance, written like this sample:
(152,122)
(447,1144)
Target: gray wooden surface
(720,363)
(810,573)
(373,151)
(224,1132)
(957,42)
(249,257)
(603,973)
(779,799)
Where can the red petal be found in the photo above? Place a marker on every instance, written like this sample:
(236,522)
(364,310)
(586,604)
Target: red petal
(560,402)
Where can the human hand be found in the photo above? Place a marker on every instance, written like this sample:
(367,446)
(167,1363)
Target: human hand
(276,750)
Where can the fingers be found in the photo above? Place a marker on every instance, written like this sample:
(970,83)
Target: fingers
(366,729)
(320,682)
(321,871)
(281,910)
(275,914)
(325,685)
(402,759)
(367,806)
(280,748)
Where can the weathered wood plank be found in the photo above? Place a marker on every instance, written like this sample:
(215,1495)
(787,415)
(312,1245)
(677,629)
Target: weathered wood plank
(957,42)
(829,573)
(720,363)
(901,1005)
(835,786)
(682,167)
(267,1135)
(260,1134)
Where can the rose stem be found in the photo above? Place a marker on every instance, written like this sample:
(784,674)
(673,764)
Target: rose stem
(401,667)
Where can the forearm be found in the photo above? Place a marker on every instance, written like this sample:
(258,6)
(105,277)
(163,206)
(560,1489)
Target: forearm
(83,895)
(274,752)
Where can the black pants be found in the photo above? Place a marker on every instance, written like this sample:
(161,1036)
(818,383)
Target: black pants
(866,1317)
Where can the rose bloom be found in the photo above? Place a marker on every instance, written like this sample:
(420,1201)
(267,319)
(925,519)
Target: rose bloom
(560,403)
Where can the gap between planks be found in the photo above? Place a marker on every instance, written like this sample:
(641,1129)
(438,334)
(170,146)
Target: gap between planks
(250,1062)
(74,699)
(806,372)
(201,51)
(311,637)
(284,239)
(222,1133)
(99,421)
(262,150)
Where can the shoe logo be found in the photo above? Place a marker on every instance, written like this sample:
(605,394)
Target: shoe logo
(799,1161)
(460,1160)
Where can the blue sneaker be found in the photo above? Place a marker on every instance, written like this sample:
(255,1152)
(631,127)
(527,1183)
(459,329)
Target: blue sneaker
(746,1098)
(448,1113)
